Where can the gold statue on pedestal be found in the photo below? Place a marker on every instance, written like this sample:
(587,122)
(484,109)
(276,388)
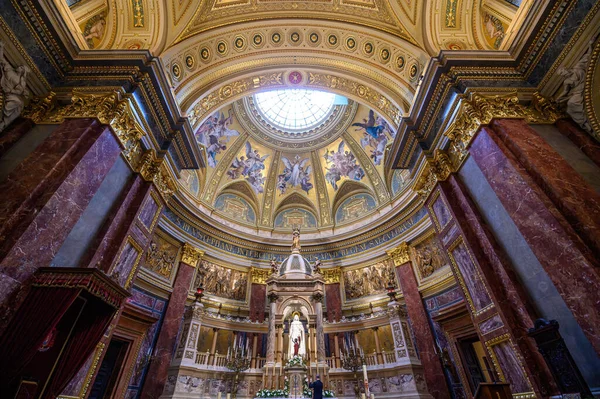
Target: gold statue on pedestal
(296,240)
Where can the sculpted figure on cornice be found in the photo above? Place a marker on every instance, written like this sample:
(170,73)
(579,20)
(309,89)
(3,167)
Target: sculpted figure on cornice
(14,92)
(221,281)
(161,256)
(428,257)
(368,280)
(572,94)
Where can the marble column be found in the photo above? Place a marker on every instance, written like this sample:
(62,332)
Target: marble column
(318,298)
(378,345)
(553,208)
(44,197)
(213,347)
(254,350)
(156,376)
(580,138)
(13,133)
(497,302)
(336,343)
(432,365)
(272,334)
(279,329)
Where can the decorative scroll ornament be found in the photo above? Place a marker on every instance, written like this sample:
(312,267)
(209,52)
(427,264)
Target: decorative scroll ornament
(480,110)
(273,297)
(116,110)
(259,276)
(332,276)
(399,254)
(191,255)
(437,169)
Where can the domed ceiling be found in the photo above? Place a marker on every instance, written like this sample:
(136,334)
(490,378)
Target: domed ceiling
(294,157)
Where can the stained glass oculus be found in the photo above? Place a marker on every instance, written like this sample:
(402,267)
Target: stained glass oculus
(295,109)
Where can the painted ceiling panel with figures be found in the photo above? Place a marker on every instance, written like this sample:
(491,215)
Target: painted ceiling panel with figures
(259,175)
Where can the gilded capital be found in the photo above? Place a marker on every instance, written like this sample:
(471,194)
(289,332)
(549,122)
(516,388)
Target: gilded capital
(191,255)
(332,276)
(258,275)
(400,254)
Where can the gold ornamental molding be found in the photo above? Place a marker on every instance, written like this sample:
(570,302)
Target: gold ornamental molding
(480,109)
(116,110)
(259,276)
(191,255)
(473,112)
(400,255)
(332,276)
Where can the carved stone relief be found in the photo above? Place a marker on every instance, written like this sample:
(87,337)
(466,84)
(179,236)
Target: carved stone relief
(161,256)
(428,257)
(368,280)
(13,90)
(221,281)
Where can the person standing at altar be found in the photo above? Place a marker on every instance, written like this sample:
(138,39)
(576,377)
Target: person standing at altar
(317,387)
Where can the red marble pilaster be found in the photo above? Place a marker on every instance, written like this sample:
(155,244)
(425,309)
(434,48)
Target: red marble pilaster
(581,139)
(258,299)
(557,246)
(121,223)
(166,343)
(491,282)
(568,191)
(13,133)
(333,300)
(44,197)
(432,366)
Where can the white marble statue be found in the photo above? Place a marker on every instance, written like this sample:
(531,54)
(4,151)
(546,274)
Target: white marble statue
(14,89)
(297,340)
(573,87)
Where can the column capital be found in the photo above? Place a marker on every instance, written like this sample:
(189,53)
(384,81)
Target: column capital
(259,275)
(317,297)
(400,254)
(332,275)
(191,255)
(273,297)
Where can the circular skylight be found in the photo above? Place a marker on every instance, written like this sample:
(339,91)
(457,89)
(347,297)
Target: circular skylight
(295,109)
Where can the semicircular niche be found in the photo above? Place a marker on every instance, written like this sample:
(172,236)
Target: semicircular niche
(235,207)
(355,207)
(295,217)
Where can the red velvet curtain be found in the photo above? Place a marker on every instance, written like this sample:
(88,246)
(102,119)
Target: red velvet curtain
(89,328)
(34,320)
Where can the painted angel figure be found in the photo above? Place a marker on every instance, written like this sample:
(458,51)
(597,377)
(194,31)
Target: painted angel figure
(213,134)
(296,173)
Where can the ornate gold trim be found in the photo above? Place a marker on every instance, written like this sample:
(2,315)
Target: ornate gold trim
(258,275)
(190,255)
(117,110)
(400,255)
(332,276)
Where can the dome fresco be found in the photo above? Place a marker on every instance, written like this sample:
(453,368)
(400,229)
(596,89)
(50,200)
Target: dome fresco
(330,173)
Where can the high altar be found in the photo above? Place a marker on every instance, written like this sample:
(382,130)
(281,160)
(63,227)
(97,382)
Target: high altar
(280,355)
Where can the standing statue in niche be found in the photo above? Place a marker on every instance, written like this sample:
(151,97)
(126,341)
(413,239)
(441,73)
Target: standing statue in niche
(573,88)
(14,91)
(296,240)
(296,338)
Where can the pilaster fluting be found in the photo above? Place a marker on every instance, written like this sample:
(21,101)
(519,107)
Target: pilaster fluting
(279,329)
(271,337)
(336,343)
(377,345)
(254,349)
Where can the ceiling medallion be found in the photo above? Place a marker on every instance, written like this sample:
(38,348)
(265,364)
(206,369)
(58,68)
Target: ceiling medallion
(222,48)
(258,40)
(350,43)
(205,54)
(239,43)
(368,48)
(295,78)
(276,38)
(189,61)
(413,72)
(295,38)
(384,55)
(314,38)
(176,69)
(400,62)
(332,40)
